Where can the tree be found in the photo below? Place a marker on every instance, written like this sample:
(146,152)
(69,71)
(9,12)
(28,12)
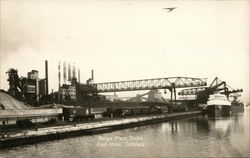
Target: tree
(14,82)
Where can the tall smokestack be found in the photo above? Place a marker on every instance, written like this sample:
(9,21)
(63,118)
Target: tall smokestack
(59,80)
(92,74)
(37,89)
(46,77)
(64,73)
(74,71)
(69,71)
(59,74)
(79,76)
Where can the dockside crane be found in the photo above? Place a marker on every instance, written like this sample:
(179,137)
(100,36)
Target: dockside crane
(202,93)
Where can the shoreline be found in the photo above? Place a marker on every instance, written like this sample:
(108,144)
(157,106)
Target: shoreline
(24,137)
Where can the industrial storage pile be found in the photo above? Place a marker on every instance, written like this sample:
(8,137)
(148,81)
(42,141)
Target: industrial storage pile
(9,103)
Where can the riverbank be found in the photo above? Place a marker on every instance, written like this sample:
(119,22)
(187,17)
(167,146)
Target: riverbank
(22,137)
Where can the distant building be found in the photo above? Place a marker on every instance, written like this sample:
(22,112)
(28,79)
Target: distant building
(29,86)
(68,90)
(33,75)
(154,95)
(33,88)
(90,81)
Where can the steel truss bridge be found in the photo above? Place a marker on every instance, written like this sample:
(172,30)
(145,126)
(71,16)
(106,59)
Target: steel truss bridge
(170,83)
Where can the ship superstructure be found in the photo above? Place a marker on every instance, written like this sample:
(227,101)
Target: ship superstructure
(218,105)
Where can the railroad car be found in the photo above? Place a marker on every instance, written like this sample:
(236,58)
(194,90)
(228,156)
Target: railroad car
(90,113)
(131,111)
(77,114)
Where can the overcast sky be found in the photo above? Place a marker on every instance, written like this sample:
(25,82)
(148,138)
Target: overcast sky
(127,40)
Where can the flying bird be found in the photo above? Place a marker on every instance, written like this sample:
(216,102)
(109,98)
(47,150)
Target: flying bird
(170,9)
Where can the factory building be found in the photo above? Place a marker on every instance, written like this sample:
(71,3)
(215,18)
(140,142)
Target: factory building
(68,91)
(33,75)
(68,87)
(30,88)
(33,87)
(33,84)
(30,83)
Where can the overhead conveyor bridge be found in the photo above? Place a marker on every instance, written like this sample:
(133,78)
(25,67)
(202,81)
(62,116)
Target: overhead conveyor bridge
(170,83)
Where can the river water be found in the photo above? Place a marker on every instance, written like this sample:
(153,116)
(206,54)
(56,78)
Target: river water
(191,137)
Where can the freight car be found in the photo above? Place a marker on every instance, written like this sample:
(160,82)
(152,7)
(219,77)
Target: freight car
(82,113)
(77,114)
(131,111)
(90,113)
(124,111)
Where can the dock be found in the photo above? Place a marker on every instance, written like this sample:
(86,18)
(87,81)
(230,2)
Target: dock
(17,138)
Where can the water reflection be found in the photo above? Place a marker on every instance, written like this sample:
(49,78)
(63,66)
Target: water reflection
(202,125)
(174,128)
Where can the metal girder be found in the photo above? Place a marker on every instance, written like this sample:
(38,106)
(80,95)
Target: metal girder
(216,85)
(191,91)
(147,84)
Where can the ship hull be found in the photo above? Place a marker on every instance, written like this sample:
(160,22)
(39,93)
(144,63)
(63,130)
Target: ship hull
(218,110)
(238,109)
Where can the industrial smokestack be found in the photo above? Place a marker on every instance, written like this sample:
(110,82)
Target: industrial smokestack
(46,77)
(64,73)
(92,74)
(79,76)
(37,89)
(74,71)
(59,74)
(69,71)
(59,80)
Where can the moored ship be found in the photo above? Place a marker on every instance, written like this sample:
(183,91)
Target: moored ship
(218,105)
(237,106)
